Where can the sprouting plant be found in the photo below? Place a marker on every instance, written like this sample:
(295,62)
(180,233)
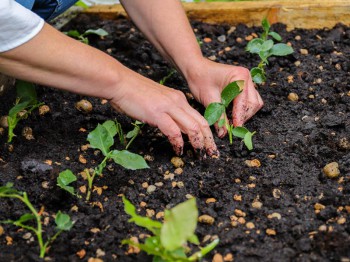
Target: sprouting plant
(216,110)
(63,221)
(164,79)
(83,37)
(169,240)
(265,48)
(26,102)
(102,138)
(131,135)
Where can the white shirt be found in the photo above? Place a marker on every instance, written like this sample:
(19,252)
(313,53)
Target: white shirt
(17,25)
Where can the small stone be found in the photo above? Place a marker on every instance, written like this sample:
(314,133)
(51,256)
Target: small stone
(44,109)
(93,259)
(218,258)
(207,40)
(304,51)
(276,193)
(239,213)
(231,30)
(290,79)
(331,170)
(257,204)
(210,200)
(189,196)
(239,40)
(9,240)
(212,57)
(319,206)
(178,171)
(253,163)
(27,133)
(344,143)
(84,147)
(227,49)
(144,185)
(293,97)
(241,220)
(3,122)
(143,204)
(338,66)
(341,220)
(206,219)
(234,223)
(148,158)
(100,253)
(250,225)
(297,63)
(1,230)
(95,230)
(228,257)
(159,184)
(81,253)
(347,208)
(177,162)
(298,37)
(84,106)
(180,184)
(271,232)
(252,185)
(322,228)
(311,96)
(27,236)
(150,212)
(45,184)
(274,215)
(249,37)
(160,215)
(237,197)
(151,189)
(82,159)
(222,38)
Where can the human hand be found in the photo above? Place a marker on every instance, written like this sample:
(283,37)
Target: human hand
(165,108)
(208,79)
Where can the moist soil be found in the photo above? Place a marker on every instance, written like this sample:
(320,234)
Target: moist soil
(294,140)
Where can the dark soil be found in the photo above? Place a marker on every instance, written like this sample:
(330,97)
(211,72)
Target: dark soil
(294,141)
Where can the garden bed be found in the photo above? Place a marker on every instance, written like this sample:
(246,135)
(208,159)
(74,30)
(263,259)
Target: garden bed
(294,141)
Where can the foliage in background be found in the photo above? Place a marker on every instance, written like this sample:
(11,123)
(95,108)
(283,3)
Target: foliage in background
(264,48)
(26,102)
(169,239)
(215,111)
(82,37)
(102,138)
(63,221)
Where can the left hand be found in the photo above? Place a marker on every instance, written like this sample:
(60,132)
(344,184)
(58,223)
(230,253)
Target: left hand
(208,79)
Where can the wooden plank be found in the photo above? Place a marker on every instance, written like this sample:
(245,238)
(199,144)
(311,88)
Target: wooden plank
(306,14)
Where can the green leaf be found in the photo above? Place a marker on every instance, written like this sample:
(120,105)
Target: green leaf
(63,221)
(128,160)
(99,32)
(100,138)
(265,24)
(26,92)
(213,112)
(221,122)
(24,218)
(133,132)
(248,140)
(254,45)
(111,127)
(275,36)
(229,93)
(193,239)
(281,50)
(7,190)
(73,33)
(145,222)
(258,75)
(16,109)
(179,225)
(64,179)
(240,131)
(267,45)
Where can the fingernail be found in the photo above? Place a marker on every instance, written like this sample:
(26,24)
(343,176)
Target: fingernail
(221,132)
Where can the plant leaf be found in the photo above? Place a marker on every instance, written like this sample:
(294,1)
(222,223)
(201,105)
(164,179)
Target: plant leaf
(63,221)
(267,45)
(73,33)
(254,45)
(265,24)
(281,50)
(99,32)
(258,75)
(145,222)
(276,36)
(240,131)
(248,140)
(213,112)
(179,225)
(18,108)
(111,127)
(24,218)
(229,93)
(26,91)
(128,160)
(100,138)
(8,189)
(64,179)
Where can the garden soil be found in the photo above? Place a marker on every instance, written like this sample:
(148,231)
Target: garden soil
(279,207)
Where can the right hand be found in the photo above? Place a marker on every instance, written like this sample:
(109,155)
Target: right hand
(164,108)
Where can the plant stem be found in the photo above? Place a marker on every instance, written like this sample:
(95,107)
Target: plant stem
(97,171)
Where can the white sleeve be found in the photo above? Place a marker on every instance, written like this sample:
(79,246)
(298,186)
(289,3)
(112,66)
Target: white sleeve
(17,25)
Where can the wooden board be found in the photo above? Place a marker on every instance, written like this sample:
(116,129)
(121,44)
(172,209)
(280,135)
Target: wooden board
(306,14)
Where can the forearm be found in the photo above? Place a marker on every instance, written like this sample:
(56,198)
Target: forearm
(165,24)
(53,59)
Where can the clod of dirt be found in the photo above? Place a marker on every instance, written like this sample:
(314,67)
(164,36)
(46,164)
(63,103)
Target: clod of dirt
(84,106)
(206,219)
(35,167)
(293,97)
(3,122)
(331,170)
(177,162)
(44,109)
(344,143)
(27,132)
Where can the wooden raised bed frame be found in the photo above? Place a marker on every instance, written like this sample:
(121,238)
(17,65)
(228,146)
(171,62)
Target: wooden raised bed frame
(306,14)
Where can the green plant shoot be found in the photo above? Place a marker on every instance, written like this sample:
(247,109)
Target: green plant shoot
(102,138)
(83,37)
(26,102)
(63,221)
(165,78)
(265,48)
(214,112)
(131,135)
(170,238)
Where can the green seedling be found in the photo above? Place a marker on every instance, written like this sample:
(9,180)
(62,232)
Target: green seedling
(164,79)
(265,48)
(83,37)
(26,102)
(63,221)
(216,112)
(131,135)
(170,238)
(102,138)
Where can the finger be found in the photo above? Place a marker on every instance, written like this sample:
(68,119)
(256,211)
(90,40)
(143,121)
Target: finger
(171,130)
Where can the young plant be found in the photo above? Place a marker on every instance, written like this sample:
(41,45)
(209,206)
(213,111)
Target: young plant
(164,79)
(215,111)
(26,102)
(83,37)
(169,240)
(131,135)
(265,48)
(102,138)
(63,221)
